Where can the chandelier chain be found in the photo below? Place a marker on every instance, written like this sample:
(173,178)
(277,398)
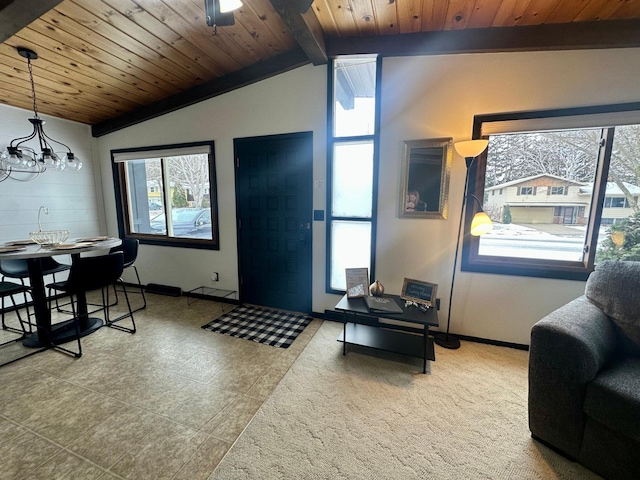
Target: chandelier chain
(33,88)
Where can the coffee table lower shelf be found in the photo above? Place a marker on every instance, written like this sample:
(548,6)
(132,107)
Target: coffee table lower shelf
(389,340)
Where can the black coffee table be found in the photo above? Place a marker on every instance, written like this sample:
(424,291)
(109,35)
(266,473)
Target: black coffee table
(362,327)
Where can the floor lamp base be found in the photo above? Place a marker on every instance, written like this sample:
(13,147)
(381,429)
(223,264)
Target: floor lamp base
(446,340)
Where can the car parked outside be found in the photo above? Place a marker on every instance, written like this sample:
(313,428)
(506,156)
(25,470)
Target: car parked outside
(187,222)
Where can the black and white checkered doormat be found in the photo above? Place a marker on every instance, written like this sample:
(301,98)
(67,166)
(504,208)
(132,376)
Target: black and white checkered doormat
(273,327)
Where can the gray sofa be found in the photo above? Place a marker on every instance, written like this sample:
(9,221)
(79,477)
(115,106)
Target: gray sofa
(584,374)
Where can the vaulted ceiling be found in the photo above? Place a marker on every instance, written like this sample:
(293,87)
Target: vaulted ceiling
(113,63)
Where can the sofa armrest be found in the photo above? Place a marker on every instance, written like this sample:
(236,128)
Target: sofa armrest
(568,348)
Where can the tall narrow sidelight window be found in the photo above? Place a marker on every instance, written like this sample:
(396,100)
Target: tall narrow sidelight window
(353,146)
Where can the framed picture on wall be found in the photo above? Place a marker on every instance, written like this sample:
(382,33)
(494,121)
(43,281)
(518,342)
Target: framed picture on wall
(424,192)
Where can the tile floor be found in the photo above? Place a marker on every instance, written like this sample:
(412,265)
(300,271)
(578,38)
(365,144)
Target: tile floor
(164,403)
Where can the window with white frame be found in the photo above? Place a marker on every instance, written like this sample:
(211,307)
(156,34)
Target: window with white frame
(353,141)
(595,152)
(166,194)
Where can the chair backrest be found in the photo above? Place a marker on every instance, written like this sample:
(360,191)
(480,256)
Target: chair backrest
(14,268)
(129,247)
(18,268)
(51,265)
(91,273)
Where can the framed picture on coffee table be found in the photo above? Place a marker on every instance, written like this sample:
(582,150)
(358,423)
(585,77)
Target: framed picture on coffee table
(357,282)
(419,292)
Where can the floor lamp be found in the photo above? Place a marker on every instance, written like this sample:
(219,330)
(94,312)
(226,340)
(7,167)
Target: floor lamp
(480,225)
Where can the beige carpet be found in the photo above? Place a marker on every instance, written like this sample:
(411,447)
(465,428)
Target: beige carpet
(379,417)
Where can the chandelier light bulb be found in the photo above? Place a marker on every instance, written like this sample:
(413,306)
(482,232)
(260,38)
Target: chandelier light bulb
(47,160)
(12,156)
(73,163)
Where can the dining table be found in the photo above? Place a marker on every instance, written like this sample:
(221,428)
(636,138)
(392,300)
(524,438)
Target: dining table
(46,334)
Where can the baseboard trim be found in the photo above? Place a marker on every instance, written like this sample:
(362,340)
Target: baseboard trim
(213,298)
(497,343)
(163,289)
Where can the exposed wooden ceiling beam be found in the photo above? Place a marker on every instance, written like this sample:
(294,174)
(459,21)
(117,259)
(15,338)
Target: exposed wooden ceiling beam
(17,14)
(227,83)
(304,27)
(566,36)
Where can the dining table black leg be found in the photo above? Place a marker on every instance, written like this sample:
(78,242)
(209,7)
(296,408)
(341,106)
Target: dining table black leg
(48,335)
(42,336)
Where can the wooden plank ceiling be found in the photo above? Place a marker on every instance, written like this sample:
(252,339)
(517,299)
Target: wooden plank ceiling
(112,63)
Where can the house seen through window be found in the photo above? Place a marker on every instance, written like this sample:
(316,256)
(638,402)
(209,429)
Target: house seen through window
(570,197)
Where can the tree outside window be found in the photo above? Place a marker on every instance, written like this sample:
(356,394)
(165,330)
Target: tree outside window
(587,182)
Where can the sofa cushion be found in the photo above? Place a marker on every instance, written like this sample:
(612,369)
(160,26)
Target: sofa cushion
(614,287)
(613,397)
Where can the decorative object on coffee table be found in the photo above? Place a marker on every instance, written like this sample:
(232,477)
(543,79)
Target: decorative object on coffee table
(376,289)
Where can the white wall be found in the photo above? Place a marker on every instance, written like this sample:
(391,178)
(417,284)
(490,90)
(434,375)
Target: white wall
(290,102)
(437,97)
(71,197)
(423,97)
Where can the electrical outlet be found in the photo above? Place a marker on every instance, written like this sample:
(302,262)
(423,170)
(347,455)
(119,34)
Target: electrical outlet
(215,277)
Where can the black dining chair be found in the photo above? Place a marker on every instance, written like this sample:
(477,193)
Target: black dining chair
(94,273)
(9,289)
(18,269)
(129,247)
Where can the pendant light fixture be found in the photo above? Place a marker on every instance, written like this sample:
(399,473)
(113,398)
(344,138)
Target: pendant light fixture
(20,161)
(219,13)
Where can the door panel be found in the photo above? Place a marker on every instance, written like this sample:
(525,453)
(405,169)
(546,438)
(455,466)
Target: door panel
(274,179)
(568,216)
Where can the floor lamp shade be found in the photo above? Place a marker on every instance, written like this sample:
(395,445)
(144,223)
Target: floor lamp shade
(471,148)
(481,224)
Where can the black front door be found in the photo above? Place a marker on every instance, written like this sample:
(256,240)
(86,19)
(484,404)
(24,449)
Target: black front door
(274,195)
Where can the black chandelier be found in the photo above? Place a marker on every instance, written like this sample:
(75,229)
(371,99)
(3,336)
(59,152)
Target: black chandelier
(21,162)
